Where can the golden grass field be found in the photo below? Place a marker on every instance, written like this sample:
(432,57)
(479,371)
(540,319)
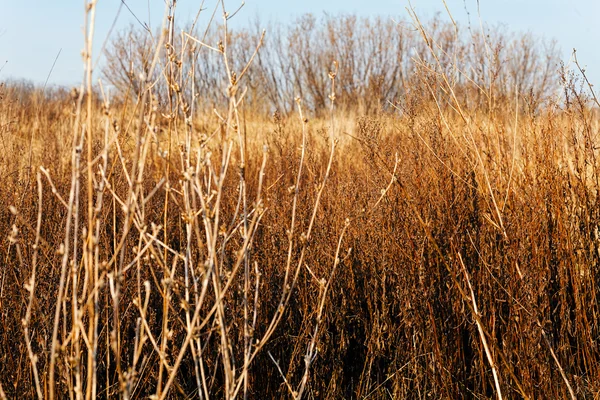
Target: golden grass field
(290,216)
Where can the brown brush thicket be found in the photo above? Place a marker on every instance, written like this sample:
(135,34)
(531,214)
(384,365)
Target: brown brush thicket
(341,208)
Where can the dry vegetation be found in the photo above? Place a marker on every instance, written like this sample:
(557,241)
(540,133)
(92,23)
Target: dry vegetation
(345,208)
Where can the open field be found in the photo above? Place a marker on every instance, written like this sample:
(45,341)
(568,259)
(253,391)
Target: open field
(335,211)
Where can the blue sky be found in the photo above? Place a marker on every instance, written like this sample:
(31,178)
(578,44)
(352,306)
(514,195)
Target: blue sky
(32,32)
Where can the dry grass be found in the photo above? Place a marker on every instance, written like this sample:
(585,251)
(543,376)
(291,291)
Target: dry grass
(444,246)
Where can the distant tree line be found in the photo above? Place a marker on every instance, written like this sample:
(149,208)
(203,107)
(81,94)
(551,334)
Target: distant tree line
(379,60)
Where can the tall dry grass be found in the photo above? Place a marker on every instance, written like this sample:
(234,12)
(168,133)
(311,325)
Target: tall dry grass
(435,240)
